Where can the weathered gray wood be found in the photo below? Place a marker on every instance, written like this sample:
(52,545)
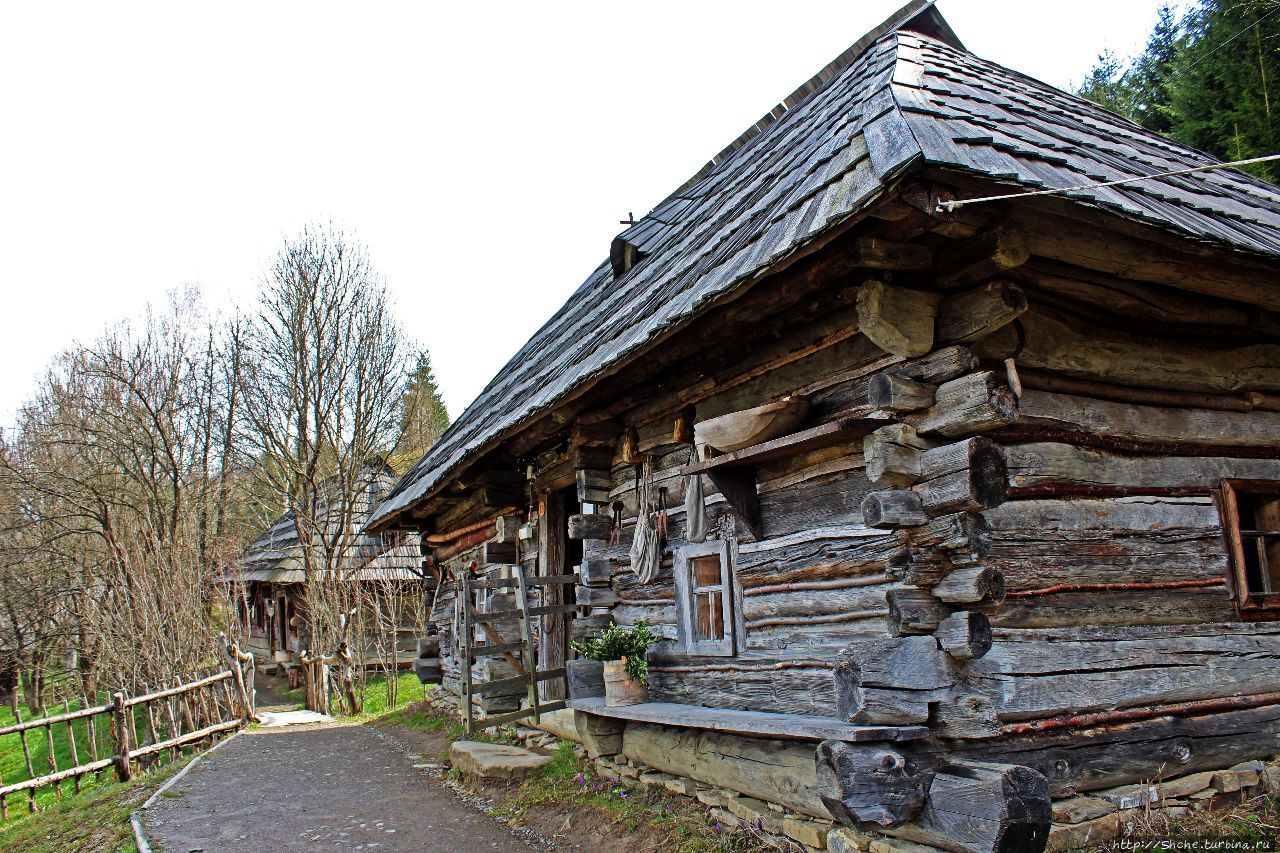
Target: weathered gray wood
(752,723)
(869,784)
(889,680)
(595,596)
(880,254)
(593,485)
(967,716)
(596,571)
(1030,680)
(892,455)
(990,253)
(965,537)
(1148,423)
(586,678)
(965,635)
(941,365)
(914,611)
(971,584)
(985,808)
(893,508)
(1059,344)
(590,526)
(896,319)
(776,686)
(1042,464)
(974,314)
(498,553)
(507,528)
(1121,754)
(968,405)
(967,475)
(895,393)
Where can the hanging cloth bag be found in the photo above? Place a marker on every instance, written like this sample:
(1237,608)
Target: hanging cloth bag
(695,509)
(646,548)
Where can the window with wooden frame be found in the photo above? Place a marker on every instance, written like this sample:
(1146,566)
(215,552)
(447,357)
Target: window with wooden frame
(1250,511)
(705,599)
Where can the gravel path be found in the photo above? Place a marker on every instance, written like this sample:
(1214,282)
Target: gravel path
(339,787)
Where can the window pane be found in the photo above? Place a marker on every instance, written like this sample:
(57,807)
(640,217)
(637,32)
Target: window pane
(706,571)
(709,617)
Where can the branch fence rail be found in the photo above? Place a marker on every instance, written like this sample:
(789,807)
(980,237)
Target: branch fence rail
(131,733)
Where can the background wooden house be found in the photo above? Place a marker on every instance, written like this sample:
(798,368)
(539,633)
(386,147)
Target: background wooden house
(1022,540)
(271,585)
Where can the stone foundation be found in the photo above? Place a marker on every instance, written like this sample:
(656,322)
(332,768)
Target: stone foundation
(770,786)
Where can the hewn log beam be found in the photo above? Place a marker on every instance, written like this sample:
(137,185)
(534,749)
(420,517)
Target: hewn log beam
(898,320)
(974,314)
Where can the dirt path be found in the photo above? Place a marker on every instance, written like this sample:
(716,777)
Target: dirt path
(341,787)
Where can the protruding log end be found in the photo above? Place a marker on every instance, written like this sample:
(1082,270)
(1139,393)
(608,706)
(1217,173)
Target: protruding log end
(893,508)
(965,635)
(914,611)
(868,784)
(590,526)
(1003,808)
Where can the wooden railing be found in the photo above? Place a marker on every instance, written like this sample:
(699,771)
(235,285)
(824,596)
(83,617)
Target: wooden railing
(132,732)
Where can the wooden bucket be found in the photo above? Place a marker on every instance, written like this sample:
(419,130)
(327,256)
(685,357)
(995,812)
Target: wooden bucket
(620,688)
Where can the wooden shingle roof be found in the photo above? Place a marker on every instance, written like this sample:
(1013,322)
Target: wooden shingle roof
(904,100)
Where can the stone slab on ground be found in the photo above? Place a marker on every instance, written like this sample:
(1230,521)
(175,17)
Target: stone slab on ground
(495,760)
(276,719)
(336,787)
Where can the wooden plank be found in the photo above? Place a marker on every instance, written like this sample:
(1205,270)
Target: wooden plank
(526,639)
(523,713)
(815,438)
(464,641)
(496,649)
(550,580)
(786,726)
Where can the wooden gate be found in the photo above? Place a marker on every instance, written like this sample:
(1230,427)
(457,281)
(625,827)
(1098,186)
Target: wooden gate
(518,652)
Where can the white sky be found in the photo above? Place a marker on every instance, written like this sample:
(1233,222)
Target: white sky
(483,152)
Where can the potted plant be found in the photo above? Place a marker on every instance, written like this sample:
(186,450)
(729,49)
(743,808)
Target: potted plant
(621,650)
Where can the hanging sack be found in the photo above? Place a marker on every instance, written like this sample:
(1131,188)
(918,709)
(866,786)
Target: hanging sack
(646,548)
(695,510)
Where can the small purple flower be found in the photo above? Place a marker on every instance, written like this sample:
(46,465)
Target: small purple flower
(622,794)
(718,828)
(582,780)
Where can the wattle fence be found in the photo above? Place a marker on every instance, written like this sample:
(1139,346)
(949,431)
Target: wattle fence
(138,729)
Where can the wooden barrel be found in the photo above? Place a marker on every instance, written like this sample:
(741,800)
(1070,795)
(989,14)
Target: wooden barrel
(620,688)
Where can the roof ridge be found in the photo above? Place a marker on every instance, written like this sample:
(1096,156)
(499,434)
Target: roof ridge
(917,16)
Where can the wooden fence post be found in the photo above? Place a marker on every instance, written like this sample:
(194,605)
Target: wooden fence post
(122,728)
(237,659)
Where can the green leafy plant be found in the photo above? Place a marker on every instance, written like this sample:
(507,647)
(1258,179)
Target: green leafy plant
(619,643)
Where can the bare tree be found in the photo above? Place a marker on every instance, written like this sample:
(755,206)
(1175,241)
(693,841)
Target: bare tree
(325,366)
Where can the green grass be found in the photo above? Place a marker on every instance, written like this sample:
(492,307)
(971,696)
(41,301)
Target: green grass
(374,700)
(13,764)
(97,820)
(571,782)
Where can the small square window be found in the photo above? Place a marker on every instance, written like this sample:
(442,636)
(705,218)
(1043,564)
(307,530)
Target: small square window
(1250,511)
(705,595)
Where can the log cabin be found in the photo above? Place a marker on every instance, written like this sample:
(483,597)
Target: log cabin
(971,506)
(269,587)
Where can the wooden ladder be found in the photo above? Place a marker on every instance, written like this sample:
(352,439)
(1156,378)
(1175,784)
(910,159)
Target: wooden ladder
(519,653)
